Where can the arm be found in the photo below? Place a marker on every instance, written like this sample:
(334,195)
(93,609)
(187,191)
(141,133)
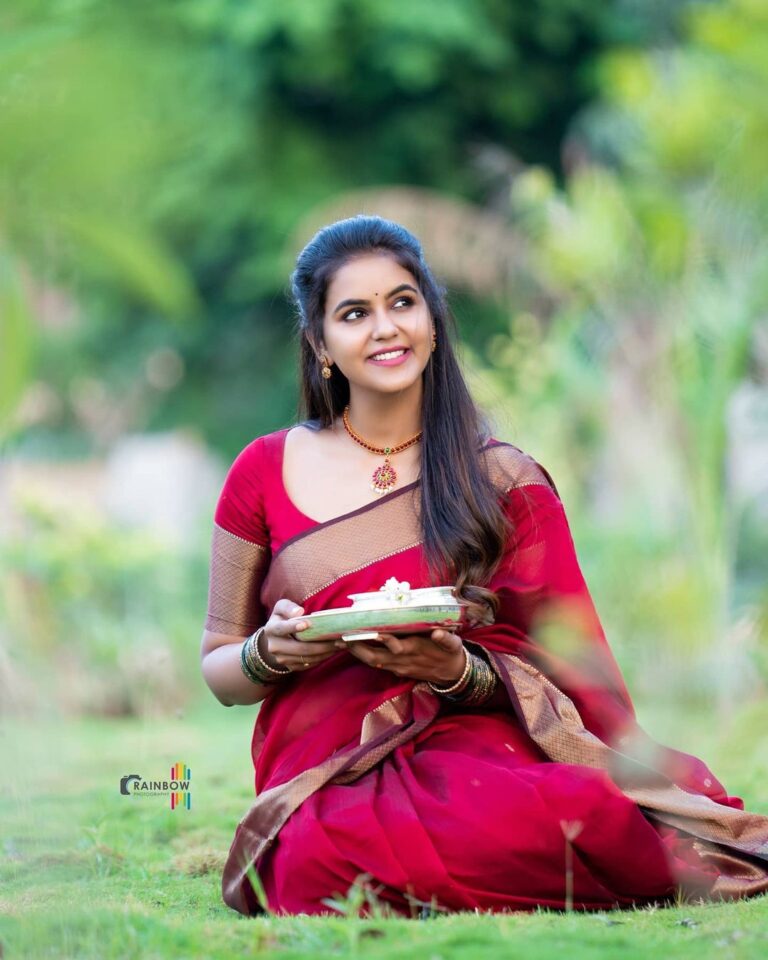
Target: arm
(239,563)
(220,662)
(278,647)
(234,612)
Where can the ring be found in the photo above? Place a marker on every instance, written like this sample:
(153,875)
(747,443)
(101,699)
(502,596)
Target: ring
(305,662)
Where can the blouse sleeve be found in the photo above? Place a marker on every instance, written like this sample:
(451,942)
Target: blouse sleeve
(239,548)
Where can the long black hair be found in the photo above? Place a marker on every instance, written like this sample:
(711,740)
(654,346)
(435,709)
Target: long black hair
(463,524)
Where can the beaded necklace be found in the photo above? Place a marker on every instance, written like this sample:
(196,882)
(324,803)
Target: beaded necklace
(384,477)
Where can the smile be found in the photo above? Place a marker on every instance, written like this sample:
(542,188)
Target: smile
(393,356)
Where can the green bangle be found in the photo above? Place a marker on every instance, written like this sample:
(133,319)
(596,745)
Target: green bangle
(480,685)
(254,666)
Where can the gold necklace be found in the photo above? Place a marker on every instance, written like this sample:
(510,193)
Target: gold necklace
(384,477)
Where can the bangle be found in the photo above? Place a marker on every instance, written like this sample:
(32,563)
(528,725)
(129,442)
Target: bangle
(253,664)
(463,679)
(249,669)
(482,684)
(262,662)
(479,686)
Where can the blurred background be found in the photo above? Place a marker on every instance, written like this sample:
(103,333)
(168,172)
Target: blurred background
(588,177)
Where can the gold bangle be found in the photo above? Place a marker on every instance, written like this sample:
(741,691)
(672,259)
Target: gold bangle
(481,687)
(481,683)
(261,661)
(253,664)
(462,681)
(252,670)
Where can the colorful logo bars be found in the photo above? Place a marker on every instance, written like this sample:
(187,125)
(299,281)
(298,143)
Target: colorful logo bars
(181,775)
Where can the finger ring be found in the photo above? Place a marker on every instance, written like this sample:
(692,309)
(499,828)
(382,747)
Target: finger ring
(305,662)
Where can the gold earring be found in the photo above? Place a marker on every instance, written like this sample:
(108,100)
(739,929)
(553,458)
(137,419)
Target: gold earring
(434,341)
(326,369)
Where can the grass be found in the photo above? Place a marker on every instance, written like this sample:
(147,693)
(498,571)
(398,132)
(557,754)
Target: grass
(88,873)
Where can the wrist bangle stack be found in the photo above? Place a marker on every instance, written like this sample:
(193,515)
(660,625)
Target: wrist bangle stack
(475,686)
(461,683)
(254,666)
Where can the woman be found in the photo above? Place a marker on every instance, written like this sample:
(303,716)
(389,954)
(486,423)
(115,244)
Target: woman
(498,769)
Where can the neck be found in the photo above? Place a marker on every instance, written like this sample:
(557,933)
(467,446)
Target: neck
(384,419)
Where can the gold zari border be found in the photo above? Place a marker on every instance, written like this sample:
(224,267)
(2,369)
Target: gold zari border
(236,573)
(325,554)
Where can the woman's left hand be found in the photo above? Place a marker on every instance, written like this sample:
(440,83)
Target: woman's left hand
(437,656)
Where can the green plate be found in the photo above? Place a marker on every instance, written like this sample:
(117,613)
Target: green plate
(348,622)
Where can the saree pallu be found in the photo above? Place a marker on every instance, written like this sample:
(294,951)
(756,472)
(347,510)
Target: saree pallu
(552,796)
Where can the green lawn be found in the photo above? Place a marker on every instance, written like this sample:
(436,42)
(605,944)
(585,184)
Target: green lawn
(88,873)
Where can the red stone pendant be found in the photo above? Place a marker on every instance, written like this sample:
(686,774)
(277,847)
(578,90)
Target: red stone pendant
(384,478)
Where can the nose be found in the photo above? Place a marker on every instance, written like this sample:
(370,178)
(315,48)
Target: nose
(383,324)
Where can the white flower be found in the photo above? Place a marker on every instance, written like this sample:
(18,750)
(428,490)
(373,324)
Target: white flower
(397,591)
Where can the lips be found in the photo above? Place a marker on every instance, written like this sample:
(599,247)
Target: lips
(374,356)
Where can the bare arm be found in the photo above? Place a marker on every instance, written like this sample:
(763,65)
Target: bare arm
(220,655)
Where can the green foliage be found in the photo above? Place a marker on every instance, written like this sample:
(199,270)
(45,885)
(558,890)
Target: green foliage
(108,618)
(91,115)
(655,259)
(204,132)
(16,338)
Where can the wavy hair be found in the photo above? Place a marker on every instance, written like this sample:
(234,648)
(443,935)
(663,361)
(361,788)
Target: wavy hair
(463,524)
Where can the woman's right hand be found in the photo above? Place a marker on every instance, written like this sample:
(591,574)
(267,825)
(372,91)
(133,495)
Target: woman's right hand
(279,647)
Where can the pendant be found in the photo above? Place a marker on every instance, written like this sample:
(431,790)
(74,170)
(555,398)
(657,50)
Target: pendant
(384,477)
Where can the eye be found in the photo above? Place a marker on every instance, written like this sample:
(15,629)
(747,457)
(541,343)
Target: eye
(404,299)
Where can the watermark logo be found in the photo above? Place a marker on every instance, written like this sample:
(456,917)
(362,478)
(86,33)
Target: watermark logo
(125,781)
(177,787)
(181,775)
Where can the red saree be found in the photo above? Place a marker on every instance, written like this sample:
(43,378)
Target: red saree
(358,771)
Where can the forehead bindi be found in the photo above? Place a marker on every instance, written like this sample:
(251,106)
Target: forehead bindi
(366,278)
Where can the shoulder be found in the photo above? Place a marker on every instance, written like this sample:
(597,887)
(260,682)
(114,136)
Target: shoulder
(240,509)
(258,451)
(302,437)
(251,469)
(510,467)
(266,451)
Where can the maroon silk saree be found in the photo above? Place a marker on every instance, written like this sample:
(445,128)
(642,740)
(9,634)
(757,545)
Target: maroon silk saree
(361,773)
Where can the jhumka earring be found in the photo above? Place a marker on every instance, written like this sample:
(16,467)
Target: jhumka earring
(326,369)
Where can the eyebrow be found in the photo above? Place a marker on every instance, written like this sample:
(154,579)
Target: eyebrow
(365,303)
